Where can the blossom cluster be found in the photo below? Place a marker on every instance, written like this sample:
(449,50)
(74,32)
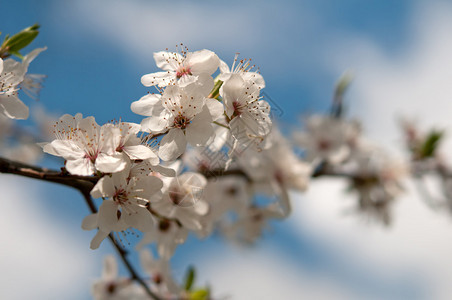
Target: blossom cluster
(198,162)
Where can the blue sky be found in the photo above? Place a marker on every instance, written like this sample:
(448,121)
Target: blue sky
(98,50)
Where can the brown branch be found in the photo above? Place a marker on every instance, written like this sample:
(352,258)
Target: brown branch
(84,185)
(121,252)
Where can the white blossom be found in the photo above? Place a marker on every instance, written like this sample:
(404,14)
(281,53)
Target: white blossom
(112,287)
(186,116)
(249,116)
(243,68)
(184,68)
(86,146)
(124,205)
(12,74)
(327,138)
(182,200)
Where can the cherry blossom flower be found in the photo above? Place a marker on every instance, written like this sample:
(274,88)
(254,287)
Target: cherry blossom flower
(182,200)
(243,68)
(130,145)
(126,203)
(377,180)
(12,74)
(187,116)
(184,68)
(160,273)
(86,146)
(327,138)
(249,116)
(250,225)
(167,234)
(112,287)
(223,195)
(277,170)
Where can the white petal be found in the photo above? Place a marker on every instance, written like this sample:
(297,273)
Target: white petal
(167,60)
(108,216)
(110,268)
(154,124)
(32,55)
(161,79)
(200,130)
(89,222)
(141,152)
(148,185)
(64,148)
(146,105)
(224,68)
(168,172)
(141,220)
(147,261)
(110,163)
(203,61)
(98,238)
(257,78)
(172,145)
(215,108)
(13,107)
(82,167)
(104,188)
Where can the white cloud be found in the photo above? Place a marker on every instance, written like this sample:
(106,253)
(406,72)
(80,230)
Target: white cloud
(39,256)
(414,81)
(266,275)
(266,31)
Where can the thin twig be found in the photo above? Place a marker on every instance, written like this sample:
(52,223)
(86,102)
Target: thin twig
(121,252)
(84,185)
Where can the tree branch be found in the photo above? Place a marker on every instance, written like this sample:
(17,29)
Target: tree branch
(121,252)
(84,185)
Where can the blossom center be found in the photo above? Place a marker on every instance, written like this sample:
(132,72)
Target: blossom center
(175,197)
(323,145)
(237,109)
(183,70)
(181,121)
(120,196)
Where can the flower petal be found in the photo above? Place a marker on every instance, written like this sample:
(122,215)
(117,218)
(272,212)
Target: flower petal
(172,145)
(108,216)
(161,79)
(141,152)
(89,222)
(203,61)
(13,107)
(82,167)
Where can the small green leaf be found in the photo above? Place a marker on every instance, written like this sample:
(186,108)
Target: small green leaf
(431,144)
(6,38)
(189,278)
(201,294)
(33,27)
(338,99)
(16,54)
(21,40)
(216,90)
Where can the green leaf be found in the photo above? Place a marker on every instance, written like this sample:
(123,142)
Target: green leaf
(6,38)
(189,278)
(216,90)
(201,294)
(34,27)
(21,40)
(338,99)
(17,54)
(431,143)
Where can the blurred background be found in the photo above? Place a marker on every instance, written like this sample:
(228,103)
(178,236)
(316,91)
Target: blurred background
(399,53)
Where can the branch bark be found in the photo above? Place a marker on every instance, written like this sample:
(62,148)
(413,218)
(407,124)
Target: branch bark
(84,185)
